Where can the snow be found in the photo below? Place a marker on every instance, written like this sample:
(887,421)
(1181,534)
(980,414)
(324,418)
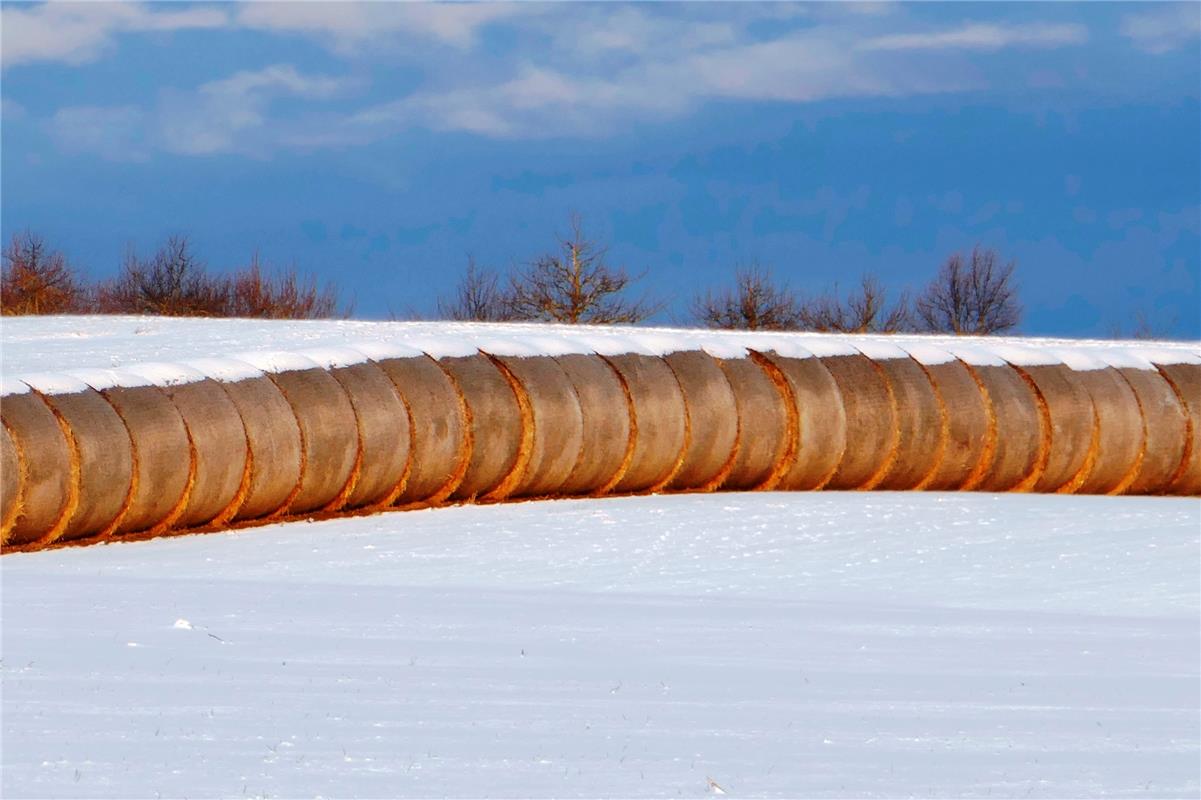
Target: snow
(777,644)
(224,348)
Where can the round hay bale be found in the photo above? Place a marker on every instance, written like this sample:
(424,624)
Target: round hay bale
(106,464)
(330,437)
(712,421)
(1072,426)
(1119,440)
(921,425)
(1186,382)
(1166,430)
(162,457)
(273,444)
(767,425)
(821,422)
(556,424)
(605,424)
(658,421)
(967,447)
(871,422)
(10,482)
(48,466)
(218,442)
(383,433)
(441,443)
(1018,422)
(497,427)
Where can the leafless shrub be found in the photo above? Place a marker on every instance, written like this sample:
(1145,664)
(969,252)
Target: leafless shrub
(283,295)
(756,302)
(37,280)
(479,297)
(864,310)
(173,283)
(977,297)
(575,285)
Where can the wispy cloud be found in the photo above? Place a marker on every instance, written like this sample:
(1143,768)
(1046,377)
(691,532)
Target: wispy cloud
(1163,28)
(982,36)
(76,33)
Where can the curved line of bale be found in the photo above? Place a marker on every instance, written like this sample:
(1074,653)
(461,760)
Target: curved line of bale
(121,460)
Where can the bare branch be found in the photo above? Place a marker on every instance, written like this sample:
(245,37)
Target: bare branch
(979,297)
(756,302)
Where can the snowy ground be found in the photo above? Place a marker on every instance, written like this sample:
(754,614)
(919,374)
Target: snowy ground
(779,644)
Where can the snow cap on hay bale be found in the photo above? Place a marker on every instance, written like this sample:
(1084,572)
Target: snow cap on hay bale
(1020,444)
(1165,427)
(384,431)
(920,434)
(273,444)
(712,418)
(969,443)
(871,421)
(1186,381)
(554,429)
(162,457)
(10,482)
(1119,435)
(47,475)
(105,459)
(821,421)
(605,432)
(767,423)
(658,421)
(1070,413)
(219,444)
(496,424)
(441,444)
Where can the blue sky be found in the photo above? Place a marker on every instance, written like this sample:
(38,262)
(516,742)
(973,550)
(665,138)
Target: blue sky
(378,145)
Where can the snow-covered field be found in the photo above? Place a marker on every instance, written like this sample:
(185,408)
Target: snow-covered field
(777,644)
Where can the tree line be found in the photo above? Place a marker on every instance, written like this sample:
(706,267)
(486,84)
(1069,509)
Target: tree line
(573,282)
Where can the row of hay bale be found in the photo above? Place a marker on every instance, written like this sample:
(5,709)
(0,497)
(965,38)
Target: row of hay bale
(99,461)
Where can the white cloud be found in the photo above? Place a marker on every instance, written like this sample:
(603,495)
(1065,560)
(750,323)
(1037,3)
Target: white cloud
(116,133)
(1166,28)
(76,33)
(982,36)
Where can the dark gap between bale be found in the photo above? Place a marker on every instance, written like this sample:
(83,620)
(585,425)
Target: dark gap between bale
(605,424)
(383,433)
(871,421)
(659,422)
(1166,431)
(219,443)
(970,431)
(495,422)
(273,444)
(1186,382)
(1072,418)
(1120,432)
(821,422)
(713,421)
(920,425)
(763,422)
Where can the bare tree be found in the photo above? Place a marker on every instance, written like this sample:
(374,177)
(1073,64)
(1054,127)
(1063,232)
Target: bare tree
(37,280)
(172,283)
(864,310)
(756,302)
(479,297)
(977,297)
(282,295)
(575,285)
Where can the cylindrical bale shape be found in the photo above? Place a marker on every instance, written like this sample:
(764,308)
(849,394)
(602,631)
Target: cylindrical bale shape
(821,422)
(967,426)
(557,424)
(766,426)
(45,463)
(1070,411)
(441,445)
(1186,379)
(1166,430)
(162,456)
(496,424)
(219,443)
(383,424)
(330,435)
(273,442)
(1019,444)
(10,482)
(871,421)
(105,461)
(659,421)
(712,420)
(1119,432)
(605,432)
(920,433)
